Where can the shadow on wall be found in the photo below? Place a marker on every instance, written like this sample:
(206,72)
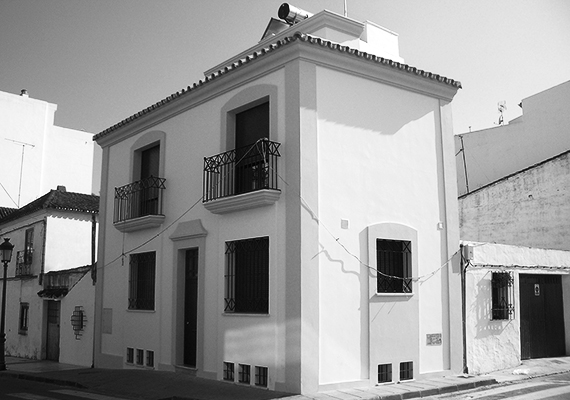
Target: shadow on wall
(485,326)
(371,106)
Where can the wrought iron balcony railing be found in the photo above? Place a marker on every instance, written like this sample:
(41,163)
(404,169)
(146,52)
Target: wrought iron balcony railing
(242,170)
(139,199)
(23,263)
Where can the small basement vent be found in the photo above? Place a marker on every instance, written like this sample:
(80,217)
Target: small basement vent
(384,373)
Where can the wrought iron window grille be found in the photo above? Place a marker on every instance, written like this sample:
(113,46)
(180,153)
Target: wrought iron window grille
(394,265)
(142,281)
(139,199)
(228,371)
(244,374)
(384,373)
(24,318)
(241,170)
(78,321)
(261,376)
(247,276)
(130,355)
(502,303)
(406,370)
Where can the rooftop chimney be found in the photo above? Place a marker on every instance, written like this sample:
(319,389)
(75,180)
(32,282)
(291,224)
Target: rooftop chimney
(24,93)
(61,188)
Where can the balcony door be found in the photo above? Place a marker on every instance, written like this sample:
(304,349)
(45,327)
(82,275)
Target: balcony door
(150,162)
(250,169)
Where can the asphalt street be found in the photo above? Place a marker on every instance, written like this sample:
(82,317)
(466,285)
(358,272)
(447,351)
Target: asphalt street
(547,387)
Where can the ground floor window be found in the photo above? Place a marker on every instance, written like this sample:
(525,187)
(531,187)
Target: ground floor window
(23,324)
(502,303)
(141,282)
(247,276)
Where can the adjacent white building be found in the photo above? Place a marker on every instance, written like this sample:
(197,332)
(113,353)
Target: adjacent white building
(36,155)
(50,290)
(290,222)
(516,308)
(542,132)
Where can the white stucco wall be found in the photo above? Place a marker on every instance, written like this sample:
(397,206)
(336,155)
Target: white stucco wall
(495,345)
(68,241)
(540,133)
(531,208)
(78,350)
(379,162)
(52,155)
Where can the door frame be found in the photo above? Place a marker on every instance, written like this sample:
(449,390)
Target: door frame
(187,235)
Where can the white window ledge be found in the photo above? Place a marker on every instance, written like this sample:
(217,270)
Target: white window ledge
(136,224)
(244,201)
(394,294)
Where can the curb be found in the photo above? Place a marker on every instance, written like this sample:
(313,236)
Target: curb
(437,391)
(42,379)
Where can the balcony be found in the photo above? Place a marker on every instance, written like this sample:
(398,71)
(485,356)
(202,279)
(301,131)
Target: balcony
(138,205)
(242,178)
(24,263)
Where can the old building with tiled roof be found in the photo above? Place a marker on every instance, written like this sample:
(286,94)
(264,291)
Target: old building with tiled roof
(52,273)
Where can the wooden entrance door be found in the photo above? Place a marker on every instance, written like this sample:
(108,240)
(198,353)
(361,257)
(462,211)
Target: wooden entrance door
(53,317)
(542,316)
(191,307)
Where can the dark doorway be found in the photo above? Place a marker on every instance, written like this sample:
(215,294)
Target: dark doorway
(542,316)
(53,316)
(251,125)
(191,307)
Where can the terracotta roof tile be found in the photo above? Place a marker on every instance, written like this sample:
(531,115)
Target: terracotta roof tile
(272,47)
(56,200)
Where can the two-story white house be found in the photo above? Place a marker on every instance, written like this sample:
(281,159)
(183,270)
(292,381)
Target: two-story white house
(290,222)
(50,291)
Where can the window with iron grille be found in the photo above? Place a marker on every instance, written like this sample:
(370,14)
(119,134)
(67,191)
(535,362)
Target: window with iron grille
(29,246)
(228,371)
(247,276)
(244,374)
(384,373)
(141,282)
(23,324)
(261,376)
(502,295)
(406,370)
(394,266)
(150,358)
(130,355)
(140,357)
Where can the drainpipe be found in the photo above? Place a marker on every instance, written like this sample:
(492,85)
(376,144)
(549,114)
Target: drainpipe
(463,310)
(93,248)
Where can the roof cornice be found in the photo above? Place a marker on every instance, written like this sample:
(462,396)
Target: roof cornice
(402,75)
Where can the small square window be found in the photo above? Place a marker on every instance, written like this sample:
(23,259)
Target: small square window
(130,355)
(261,376)
(228,371)
(384,373)
(150,358)
(244,373)
(406,370)
(23,324)
(140,357)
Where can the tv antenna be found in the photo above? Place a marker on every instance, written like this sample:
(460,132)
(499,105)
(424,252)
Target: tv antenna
(501,106)
(24,144)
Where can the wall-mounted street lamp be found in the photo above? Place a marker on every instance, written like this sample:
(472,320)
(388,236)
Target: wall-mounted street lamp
(5,256)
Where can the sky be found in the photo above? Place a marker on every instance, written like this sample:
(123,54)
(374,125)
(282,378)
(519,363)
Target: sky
(102,61)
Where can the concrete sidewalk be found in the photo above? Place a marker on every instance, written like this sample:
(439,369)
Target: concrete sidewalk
(159,385)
